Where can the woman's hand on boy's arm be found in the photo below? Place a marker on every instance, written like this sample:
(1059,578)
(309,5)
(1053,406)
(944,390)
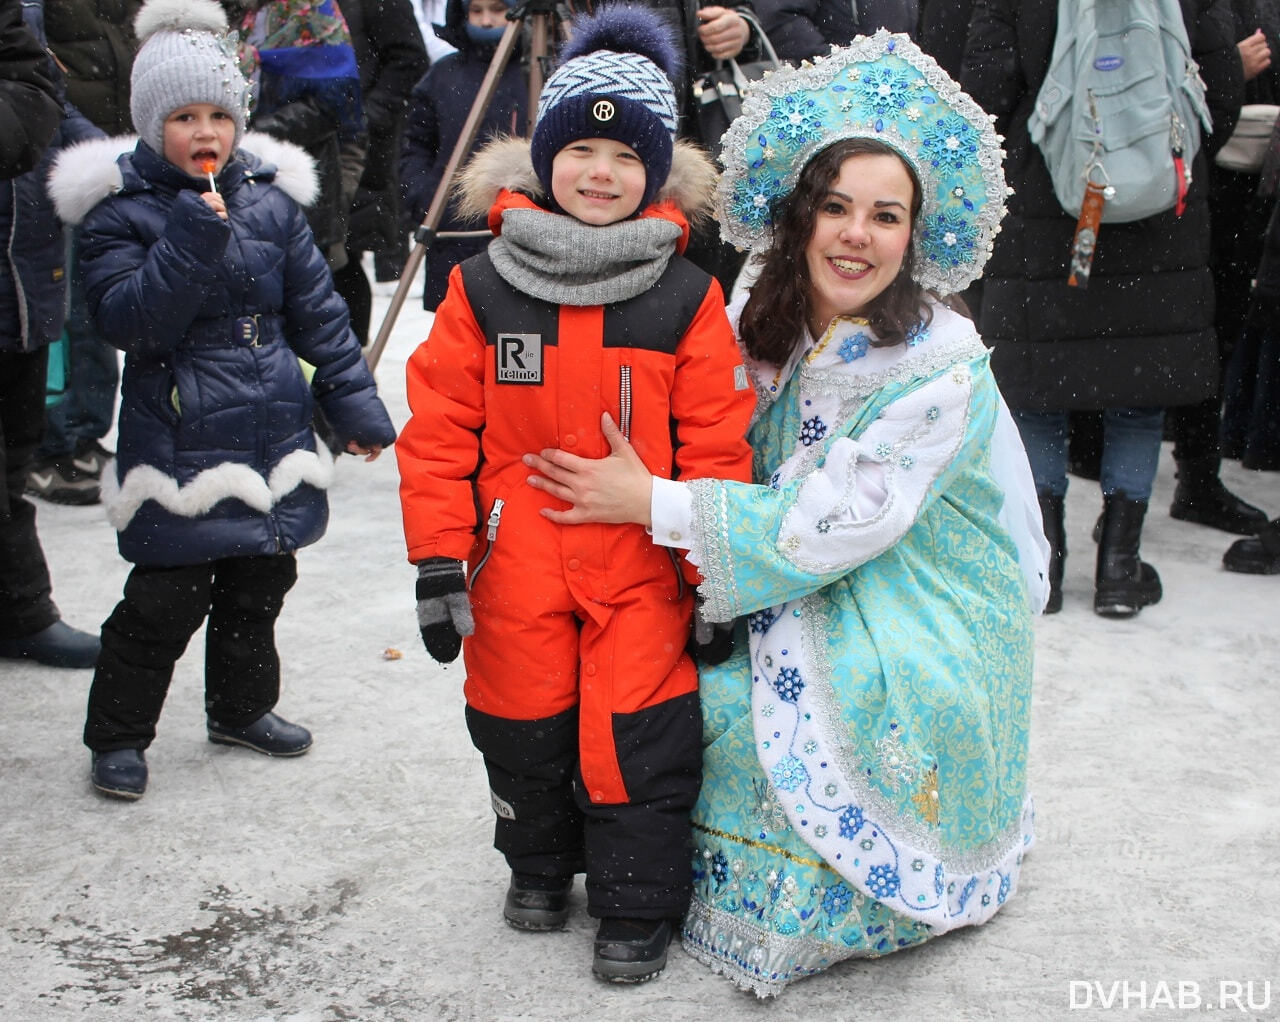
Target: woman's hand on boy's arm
(615,489)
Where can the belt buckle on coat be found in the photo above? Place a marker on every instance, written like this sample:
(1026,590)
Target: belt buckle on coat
(249,328)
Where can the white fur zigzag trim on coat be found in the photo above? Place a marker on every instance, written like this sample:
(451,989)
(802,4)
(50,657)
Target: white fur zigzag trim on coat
(226,481)
(86,173)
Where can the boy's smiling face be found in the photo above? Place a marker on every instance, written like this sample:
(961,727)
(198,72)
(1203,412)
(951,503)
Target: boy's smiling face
(198,133)
(597,180)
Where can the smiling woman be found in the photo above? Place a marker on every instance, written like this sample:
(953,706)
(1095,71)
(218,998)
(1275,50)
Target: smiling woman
(864,745)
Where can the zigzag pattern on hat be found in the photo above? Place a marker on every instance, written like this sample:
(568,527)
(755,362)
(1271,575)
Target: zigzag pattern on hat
(625,75)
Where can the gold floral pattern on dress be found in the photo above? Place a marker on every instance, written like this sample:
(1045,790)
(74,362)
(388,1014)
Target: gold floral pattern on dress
(926,798)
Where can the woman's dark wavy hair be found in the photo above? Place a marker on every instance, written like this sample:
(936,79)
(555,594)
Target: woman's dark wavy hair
(774,318)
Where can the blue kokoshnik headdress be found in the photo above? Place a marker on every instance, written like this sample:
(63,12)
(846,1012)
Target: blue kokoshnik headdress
(879,87)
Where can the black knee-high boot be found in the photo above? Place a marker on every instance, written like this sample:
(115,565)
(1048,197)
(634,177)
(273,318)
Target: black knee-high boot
(1052,511)
(1124,583)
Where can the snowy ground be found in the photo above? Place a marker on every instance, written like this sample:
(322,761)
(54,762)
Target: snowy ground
(358,882)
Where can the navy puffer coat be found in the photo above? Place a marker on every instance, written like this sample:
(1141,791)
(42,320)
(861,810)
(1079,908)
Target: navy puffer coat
(216,456)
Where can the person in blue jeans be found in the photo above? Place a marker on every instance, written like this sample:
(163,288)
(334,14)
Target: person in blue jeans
(1130,454)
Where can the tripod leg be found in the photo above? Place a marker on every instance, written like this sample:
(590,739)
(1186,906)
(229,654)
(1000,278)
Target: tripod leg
(426,231)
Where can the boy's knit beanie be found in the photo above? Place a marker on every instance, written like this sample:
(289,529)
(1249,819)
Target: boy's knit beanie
(185,57)
(614,81)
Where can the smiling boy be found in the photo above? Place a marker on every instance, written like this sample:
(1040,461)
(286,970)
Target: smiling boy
(579,691)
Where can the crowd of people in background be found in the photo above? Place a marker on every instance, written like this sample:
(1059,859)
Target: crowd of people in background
(1175,339)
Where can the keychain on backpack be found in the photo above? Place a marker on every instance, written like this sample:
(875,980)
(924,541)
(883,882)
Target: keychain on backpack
(1085,241)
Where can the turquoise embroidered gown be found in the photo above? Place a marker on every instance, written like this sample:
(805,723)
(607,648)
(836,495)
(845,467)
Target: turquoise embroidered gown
(865,747)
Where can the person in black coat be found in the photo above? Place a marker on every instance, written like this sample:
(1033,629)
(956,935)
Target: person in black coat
(391,58)
(803,29)
(32,297)
(29,107)
(1140,337)
(438,109)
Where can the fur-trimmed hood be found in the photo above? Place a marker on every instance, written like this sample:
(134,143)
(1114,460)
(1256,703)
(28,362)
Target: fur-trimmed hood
(88,172)
(505,163)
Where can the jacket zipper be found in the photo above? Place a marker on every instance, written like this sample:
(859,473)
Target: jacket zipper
(624,401)
(491,533)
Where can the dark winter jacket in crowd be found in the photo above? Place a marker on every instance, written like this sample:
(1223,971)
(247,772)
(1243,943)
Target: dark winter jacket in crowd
(216,456)
(941,31)
(438,108)
(1141,334)
(682,16)
(800,29)
(391,58)
(33,283)
(94,41)
(29,107)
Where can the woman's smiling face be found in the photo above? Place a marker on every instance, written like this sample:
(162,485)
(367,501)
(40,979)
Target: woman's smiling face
(860,236)
(197,134)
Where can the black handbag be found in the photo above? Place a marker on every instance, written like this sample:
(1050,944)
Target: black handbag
(718,93)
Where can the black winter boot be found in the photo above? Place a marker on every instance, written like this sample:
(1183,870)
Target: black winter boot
(1124,583)
(1200,497)
(1051,511)
(1258,555)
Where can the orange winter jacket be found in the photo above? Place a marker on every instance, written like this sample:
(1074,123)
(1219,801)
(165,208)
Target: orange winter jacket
(503,374)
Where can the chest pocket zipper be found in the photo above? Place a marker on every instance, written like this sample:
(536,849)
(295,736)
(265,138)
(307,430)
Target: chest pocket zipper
(491,534)
(624,401)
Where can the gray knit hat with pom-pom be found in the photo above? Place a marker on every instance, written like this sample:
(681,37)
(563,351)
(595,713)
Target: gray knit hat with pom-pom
(186,57)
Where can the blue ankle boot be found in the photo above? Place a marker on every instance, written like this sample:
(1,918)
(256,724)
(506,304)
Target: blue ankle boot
(59,645)
(269,734)
(120,773)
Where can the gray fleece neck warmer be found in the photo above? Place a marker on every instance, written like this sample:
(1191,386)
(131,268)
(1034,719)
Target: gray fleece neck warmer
(562,260)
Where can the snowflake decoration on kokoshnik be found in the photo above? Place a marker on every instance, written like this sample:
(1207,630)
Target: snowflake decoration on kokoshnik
(753,200)
(884,90)
(798,120)
(949,142)
(948,238)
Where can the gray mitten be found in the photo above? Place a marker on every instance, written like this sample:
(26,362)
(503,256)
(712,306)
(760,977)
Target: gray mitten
(444,609)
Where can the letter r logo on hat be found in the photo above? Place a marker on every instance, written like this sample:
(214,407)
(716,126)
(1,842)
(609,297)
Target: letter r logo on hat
(603,111)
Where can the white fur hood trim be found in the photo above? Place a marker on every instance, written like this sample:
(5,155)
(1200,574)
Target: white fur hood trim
(505,163)
(228,480)
(86,173)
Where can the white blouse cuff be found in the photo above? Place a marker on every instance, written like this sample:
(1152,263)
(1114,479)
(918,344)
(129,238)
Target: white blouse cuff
(671,512)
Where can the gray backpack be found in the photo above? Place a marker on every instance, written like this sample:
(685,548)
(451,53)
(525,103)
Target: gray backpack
(1121,106)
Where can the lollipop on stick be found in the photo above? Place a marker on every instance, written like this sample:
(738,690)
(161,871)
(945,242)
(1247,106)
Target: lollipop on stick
(207,166)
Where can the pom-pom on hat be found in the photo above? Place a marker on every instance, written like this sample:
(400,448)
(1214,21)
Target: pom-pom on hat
(614,81)
(185,57)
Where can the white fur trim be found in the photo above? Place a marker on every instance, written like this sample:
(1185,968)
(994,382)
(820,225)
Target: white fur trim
(86,173)
(295,169)
(177,15)
(228,480)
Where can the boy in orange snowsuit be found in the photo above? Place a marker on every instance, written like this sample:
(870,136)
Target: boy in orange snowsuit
(580,693)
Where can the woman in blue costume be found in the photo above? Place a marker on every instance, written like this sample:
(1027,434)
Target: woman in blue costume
(865,744)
